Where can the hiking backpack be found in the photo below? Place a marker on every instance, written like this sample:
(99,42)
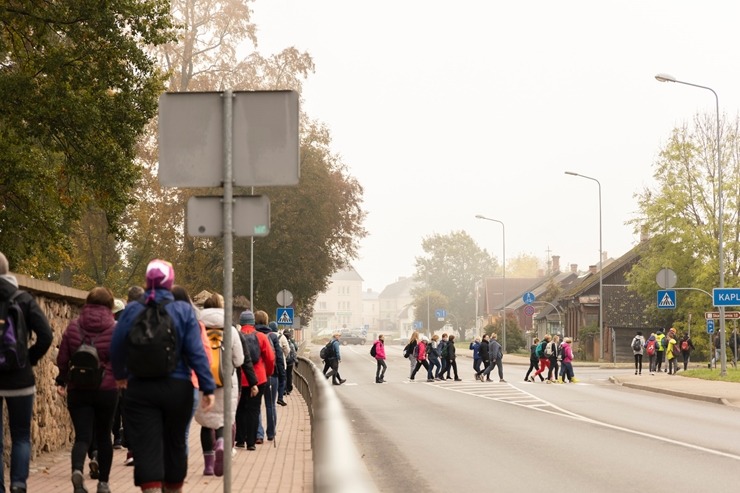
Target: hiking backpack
(651,347)
(152,342)
(85,371)
(251,346)
(216,340)
(374,350)
(13,337)
(548,352)
(636,345)
(293,354)
(327,352)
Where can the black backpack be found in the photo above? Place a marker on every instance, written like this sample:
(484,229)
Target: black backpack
(251,346)
(85,371)
(13,337)
(152,342)
(327,352)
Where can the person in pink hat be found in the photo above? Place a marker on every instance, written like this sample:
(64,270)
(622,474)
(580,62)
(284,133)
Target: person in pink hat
(158,407)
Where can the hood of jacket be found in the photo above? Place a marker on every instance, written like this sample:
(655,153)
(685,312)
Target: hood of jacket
(212,318)
(96,318)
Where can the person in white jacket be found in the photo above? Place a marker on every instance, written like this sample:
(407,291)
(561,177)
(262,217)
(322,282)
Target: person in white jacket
(212,421)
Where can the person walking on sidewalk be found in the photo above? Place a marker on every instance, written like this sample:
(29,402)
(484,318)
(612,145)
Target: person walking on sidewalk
(651,348)
(18,384)
(212,420)
(91,404)
(638,344)
(157,409)
(379,356)
(660,353)
(687,346)
(672,352)
(495,357)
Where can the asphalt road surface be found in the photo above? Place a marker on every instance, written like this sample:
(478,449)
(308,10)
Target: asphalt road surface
(591,436)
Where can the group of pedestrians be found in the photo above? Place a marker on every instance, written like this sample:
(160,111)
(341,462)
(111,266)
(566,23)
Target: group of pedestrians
(160,384)
(552,356)
(662,348)
(438,356)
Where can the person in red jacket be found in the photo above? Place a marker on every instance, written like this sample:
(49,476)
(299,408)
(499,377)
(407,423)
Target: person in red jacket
(248,408)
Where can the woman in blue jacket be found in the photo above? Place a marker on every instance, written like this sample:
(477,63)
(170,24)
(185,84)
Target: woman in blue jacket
(158,408)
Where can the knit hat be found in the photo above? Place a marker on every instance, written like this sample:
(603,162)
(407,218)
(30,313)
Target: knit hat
(159,274)
(273,325)
(118,305)
(246,318)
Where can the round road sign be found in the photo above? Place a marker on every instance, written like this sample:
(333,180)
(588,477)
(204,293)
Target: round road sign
(666,278)
(284,297)
(528,310)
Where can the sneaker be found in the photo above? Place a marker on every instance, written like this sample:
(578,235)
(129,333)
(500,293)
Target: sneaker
(259,441)
(342,380)
(78,481)
(129,459)
(94,467)
(17,489)
(282,402)
(430,380)
(502,381)
(103,487)
(240,445)
(458,379)
(574,380)
(531,379)
(251,447)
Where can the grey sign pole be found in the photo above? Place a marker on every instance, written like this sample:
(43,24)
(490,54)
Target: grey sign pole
(228,235)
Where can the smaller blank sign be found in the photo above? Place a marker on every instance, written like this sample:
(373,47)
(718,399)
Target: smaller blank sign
(251,216)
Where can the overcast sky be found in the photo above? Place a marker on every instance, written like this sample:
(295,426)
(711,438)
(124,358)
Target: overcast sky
(445,110)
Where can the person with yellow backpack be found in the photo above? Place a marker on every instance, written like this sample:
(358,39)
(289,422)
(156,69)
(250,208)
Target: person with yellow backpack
(212,420)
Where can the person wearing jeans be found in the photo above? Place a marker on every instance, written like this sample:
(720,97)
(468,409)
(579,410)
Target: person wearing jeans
(380,365)
(18,385)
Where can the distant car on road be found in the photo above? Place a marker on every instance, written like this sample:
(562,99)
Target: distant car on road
(352,338)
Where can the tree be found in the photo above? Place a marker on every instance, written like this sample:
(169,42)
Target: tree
(76,90)
(314,227)
(514,336)
(680,216)
(452,265)
(523,265)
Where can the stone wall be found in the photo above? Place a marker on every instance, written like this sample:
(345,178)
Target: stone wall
(51,427)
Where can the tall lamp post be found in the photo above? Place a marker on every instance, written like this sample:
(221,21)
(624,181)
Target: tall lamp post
(503,286)
(601,268)
(720,221)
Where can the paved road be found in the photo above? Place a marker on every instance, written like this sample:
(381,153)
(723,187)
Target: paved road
(462,435)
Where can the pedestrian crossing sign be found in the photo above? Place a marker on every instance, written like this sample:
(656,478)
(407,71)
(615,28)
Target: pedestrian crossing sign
(667,299)
(284,316)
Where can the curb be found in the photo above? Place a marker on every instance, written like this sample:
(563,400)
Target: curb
(675,393)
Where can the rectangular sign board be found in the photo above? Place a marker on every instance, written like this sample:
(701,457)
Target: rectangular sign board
(715,315)
(726,296)
(205,216)
(265,139)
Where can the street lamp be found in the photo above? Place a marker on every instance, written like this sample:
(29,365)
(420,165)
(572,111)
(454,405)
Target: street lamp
(720,221)
(503,288)
(601,269)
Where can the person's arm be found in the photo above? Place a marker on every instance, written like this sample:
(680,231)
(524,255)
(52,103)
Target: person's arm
(38,324)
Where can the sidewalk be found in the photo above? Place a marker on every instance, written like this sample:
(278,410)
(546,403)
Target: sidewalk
(284,466)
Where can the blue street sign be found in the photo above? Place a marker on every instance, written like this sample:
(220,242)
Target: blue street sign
(284,316)
(710,326)
(528,297)
(440,313)
(726,296)
(418,324)
(667,299)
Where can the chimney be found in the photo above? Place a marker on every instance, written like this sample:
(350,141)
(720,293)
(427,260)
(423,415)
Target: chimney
(592,269)
(556,263)
(574,268)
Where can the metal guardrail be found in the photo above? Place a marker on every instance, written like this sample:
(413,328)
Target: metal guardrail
(337,464)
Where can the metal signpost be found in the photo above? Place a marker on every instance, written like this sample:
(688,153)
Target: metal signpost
(196,133)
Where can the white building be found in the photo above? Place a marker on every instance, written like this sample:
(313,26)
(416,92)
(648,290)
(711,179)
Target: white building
(341,305)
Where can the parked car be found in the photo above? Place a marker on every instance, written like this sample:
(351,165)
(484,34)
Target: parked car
(352,338)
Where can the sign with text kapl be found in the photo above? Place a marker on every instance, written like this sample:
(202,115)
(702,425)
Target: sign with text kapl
(726,296)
